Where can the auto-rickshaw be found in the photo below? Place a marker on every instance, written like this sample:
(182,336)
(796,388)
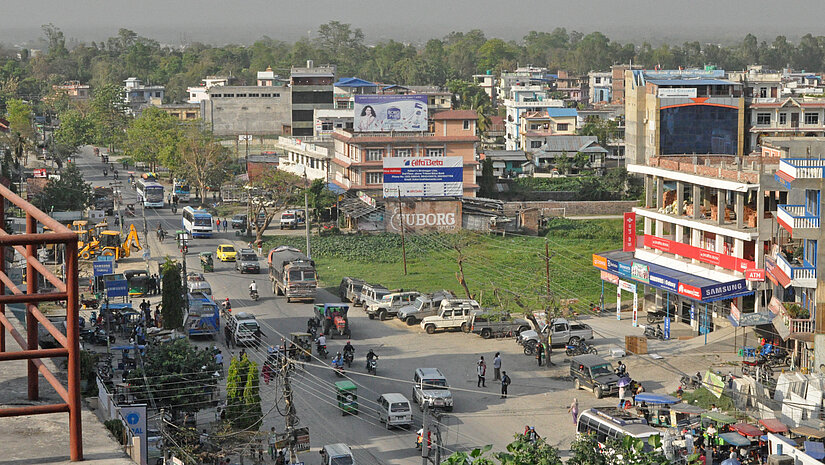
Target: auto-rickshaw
(300,347)
(720,421)
(138,282)
(206,262)
(734,439)
(347,397)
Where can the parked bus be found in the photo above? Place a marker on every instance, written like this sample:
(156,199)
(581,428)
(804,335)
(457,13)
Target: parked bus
(203,317)
(150,193)
(197,222)
(180,189)
(611,423)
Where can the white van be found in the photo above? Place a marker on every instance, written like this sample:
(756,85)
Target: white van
(394,410)
(607,423)
(337,454)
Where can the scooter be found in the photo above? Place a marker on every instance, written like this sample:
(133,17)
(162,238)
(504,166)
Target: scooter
(97,336)
(338,366)
(253,294)
(654,333)
(691,382)
(372,365)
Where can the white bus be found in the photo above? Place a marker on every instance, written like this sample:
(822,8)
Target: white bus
(197,222)
(180,188)
(150,193)
(613,423)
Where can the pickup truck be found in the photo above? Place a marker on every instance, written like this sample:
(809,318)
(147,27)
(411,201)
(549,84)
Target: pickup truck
(563,332)
(424,306)
(497,324)
(389,305)
(452,314)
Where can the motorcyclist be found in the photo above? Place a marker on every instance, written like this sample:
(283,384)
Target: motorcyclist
(621,370)
(226,305)
(312,325)
(370,356)
(338,360)
(349,349)
(321,342)
(253,286)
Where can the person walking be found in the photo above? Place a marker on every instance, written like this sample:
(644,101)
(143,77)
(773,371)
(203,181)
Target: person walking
(574,410)
(539,352)
(218,224)
(273,441)
(497,367)
(505,381)
(481,369)
(225,225)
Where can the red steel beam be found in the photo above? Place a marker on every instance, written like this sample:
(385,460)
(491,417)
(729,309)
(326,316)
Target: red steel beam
(4,278)
(3,283)
(33,410)
(29,298)
(56,334)
(73,345)
(38,239)
(43,218)
(32,260)
(29,354)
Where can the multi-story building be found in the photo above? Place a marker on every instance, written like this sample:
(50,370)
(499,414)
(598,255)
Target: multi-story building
(790,116)
(137,96)
(248,110)
(305,157)
(573,87)
(345,90)
(359,157)
(74,90)
(182,111)
(327,121)
(538,126)
(312,88)
(525,76)
(489,83)
(198,93)
(707,227)
(268,78)
(794,260)
(523,99)
(682,111)
(618,82)
(601,86)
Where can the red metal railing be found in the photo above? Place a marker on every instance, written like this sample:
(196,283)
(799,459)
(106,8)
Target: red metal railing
(27,244)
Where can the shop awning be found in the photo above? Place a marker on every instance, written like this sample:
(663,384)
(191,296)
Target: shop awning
(699,288)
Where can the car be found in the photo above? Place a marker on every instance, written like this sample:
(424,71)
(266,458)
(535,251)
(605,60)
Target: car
(350,289)
(563,332)
(371,294)
(431,389)
(388,306)
(394,410)
(226,253)
(424,306)
(239,221)
(595,374)
(247,262)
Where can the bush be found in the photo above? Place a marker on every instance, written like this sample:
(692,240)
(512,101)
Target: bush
(116,428)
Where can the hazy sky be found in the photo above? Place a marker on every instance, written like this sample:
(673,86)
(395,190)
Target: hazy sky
(243,21)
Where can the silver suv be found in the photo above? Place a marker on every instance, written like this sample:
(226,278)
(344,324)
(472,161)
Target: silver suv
(389,305)
(423,306)
(247,262)
(431,389)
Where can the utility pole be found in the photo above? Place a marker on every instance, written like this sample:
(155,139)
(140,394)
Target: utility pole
(306,210)
(547,266)
(403,241)
(425,436)
(290,407)
(182,242)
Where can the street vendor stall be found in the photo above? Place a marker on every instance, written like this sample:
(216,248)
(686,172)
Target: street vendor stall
(734,439)
(772,425)
(747,430)
(685,416)
(655,407)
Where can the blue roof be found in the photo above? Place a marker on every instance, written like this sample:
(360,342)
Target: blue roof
(558,112)
(354,82)
(692,82)
(651,398)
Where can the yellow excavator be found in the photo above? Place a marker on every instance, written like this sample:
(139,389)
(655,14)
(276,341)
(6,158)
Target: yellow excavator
(101,241)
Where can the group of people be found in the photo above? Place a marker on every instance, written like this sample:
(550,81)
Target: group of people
(221,222)
(498,374)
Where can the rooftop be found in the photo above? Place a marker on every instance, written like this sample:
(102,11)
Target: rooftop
(693,82)
(456,114)
(354,82)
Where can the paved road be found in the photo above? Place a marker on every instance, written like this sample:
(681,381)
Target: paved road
(539,397)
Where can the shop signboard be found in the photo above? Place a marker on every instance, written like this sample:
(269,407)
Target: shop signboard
(103,267)
(301,439)
(775,274)
(640,272)
(697,253)
(756,319)
(424,216)
(635,309)
(629,232)
(117,288)
(610,277)
(624,269)
(664,282)
(135,416)
(692,313)
(724,290)
(667,327)
(714,383)
(734,312)
(677,92)
(390,112)
(689,291)
(599,262)
(612,265)
(626,286)
(755,274)
(423,176)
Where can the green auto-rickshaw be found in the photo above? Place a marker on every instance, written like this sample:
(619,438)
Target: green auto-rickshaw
(206,262)
(347,397)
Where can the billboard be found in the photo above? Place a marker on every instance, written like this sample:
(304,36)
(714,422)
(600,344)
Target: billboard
(629,232)
(384,113)
(423,177)
(699,128)
(440,216)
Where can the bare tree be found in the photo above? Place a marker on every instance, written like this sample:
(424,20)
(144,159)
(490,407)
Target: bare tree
(270,192)
(202,159)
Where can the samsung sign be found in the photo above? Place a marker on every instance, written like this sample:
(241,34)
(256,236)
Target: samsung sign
(663,281)
(723,290)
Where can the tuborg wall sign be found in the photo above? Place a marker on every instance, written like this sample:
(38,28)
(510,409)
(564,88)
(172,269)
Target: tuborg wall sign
(424,216)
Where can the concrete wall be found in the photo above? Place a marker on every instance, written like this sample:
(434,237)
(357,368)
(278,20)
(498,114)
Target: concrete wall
(250,115)
(574,208)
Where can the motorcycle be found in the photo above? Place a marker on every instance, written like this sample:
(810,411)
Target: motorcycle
(322,350)
(654,333)
(580,349)
(348,356)
(312,327)
(372,365)
(691,382)
(253,294)
(97,336)
(659,315)
(760,366)
(88,303)
(338,366)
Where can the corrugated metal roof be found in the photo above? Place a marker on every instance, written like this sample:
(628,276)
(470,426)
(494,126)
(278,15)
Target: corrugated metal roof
(692,82)
(568,143)
(354,82)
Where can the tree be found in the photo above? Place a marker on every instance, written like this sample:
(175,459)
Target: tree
(581,161)
(20,137)
(69,193)
(585,450)
(108,115)
(319,198)
(522,451)
(487,183)
(563,163)
(74,130)
(202,159)
(243,399)
(175,375)
(269,193)
(603,129)
(172,303)
(154,138)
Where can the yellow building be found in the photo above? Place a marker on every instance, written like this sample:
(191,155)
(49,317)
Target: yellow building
(182,111)
(536,126)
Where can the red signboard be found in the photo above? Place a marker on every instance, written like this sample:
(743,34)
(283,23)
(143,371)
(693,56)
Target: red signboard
(690,291)
(40,173)
(697,253)
(609,277)
(755,274)
(629,232)
(775,274)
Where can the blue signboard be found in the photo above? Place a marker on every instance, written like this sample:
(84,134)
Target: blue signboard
(724,290)
(664,282)
(103,267)
(135,416)
(667,326)
(624,269)
(117,288)
(612,265)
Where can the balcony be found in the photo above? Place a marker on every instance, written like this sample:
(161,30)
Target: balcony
(800,274)
(343,181)
(800,168)
(794,218)
(801,325)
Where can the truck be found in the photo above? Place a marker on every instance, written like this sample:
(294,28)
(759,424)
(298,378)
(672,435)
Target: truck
(561,331)
(423,306)
(497,324)
(242,326)
(389,305)
(291,219)
(452,314)
(292,274)
(104,199)
(202,318)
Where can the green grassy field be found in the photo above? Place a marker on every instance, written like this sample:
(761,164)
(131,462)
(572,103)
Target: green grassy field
(511,267)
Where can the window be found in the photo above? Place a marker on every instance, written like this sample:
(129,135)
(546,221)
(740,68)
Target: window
(763,118)
(241,95)
(783,118)
(374,177)
(375,154)
(598,80)
(763,92)
(466,124)
(435,152)
(535,144)
(326,125)
(533,127)
(403,152)
(561,127)
(811,118)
